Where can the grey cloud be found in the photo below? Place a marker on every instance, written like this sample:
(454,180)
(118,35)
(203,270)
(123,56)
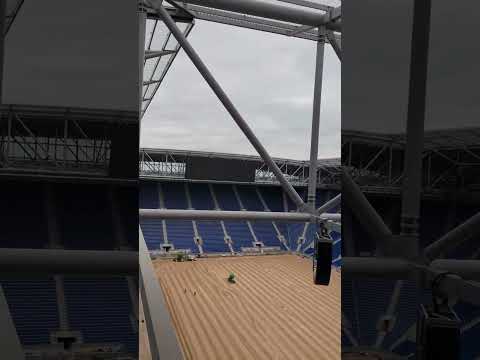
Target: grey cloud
(268,77)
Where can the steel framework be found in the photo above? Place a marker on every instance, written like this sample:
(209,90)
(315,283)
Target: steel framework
(169,163)
(400,257)
(397,254)
(451,158)
(305,19)
(67,144)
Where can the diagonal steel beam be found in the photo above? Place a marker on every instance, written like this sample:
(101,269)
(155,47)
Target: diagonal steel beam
(463,232)
(300,29)
(330,204)
(365,213)
(336,45)
(224,99)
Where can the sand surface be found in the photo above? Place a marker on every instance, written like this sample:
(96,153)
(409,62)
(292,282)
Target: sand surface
(273,311)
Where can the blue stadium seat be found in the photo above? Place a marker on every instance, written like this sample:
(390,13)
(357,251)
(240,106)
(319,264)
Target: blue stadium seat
(240,234)
(152,232)
(201,198)
(33,306)
(180,234)
(148,196)
(212,236)
(174,195)
(266,233)
(226,197)
(105,315)
(249,198)
(273,197)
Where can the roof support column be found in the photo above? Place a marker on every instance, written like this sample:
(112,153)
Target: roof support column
(224,99)
(317,101)
(412,182)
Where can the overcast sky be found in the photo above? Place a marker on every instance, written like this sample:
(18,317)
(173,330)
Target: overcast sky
(268,77)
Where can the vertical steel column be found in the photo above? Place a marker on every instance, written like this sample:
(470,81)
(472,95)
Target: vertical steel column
(412,182)
(317,102)
(224,99)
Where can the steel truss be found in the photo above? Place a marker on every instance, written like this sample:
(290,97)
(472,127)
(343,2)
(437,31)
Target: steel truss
(259,15)
(451,159)
(169,163)
(57,140)
(161,48)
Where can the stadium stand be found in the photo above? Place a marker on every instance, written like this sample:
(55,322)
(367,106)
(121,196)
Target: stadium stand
(108,300)
(35,304)
(22,205)
(181,233)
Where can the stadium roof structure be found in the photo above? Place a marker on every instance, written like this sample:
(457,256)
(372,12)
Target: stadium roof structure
(161,47)
(176,164)
(315,21)
(433,140)
(304,16)
(160,51)
(58,142)
(451,159)
(398,255)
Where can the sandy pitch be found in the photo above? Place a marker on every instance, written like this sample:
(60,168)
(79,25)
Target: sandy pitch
(273,311)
